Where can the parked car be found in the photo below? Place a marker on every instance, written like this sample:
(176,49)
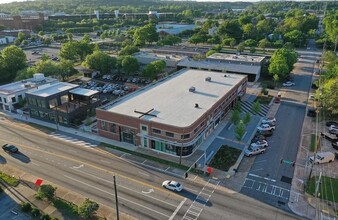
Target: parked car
(266,127)
(289,83)
(172,185)
(261,144)
(265,133)
(9,148)
(333,129)
(329,123)
(35,52)
(335,145)
(329,137)
(269,121)
(253,151)
(322,157)
(311,112)
(258,138)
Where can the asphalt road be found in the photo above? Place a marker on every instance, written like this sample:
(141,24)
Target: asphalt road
(89,171)
(269,180)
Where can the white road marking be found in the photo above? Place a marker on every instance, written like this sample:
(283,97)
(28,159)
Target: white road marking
(269,179)
(112,194)
(77,167)
(150,191)
(144,174)
(35,164)
(110,182)
(256,170)
(105,161)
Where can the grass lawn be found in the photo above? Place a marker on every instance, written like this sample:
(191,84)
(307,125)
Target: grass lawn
(313,143)
(225,157)
(264,99)
(8,179)
(328,188)
(66,208)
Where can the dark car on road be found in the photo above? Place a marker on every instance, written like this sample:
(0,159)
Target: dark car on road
(10,148)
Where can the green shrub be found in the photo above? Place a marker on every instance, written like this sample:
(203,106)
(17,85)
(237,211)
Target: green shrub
(35,212)
(45,217)
(26,207)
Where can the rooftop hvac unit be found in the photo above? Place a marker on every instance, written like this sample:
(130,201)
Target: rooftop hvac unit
(208,79)
(192,89)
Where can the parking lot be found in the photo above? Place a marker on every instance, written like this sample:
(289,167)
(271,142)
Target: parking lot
(33,58)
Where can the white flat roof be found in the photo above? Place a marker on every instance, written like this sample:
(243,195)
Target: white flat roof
(53,89)
(24,85)
(171,100)
(83,92)
(235,57)
(221,66)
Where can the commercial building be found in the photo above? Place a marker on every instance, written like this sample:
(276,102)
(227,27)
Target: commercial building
(144,58)
(228,63)
(181,51)
(19,22)
(62,103)
(11,94)
(173,115)
(172,29)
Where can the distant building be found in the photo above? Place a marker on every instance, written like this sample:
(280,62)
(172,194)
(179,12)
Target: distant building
(63,103)
(145,58)
(227,63)
(14,33)
(7,40)
(181,50)
(212,31)
(12,93)
(172,29)
(175,114)
(19,22)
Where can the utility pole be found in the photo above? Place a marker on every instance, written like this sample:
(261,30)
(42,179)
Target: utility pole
(317,145)
(116,200)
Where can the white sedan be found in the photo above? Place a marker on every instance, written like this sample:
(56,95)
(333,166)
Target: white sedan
(266,127)
(289,83)
(269,121)
(260,144)
(172,185)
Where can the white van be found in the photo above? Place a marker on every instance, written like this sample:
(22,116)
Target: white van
(323,157)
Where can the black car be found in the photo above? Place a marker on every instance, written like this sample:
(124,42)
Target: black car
(311,112)
(329,123)
(265,133)
(258,138)
(10,148)
(335,145)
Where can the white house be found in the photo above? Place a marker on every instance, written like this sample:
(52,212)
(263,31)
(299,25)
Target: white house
(12,93)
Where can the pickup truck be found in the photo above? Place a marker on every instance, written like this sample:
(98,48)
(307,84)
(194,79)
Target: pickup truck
(329,137)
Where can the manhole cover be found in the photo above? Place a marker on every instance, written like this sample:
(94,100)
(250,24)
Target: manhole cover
(286,179)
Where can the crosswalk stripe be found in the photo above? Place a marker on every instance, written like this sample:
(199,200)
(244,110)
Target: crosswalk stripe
(72,140)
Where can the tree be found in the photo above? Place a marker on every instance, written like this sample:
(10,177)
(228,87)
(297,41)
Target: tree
(329,96)
(249,31)
(47,191)
(250,43)
(68,51)
(130,64)
(128,50)
(145,34)
(275,78)
(44,57)
(88,208)
(195,39)
(100,61)
(264,43)
(252,49)
(247,118)
(235,117)
(256,108)
(279,67)
(12,59)
(210,52)
(231,28)
(2,27)
(66,68)
(240,47)
(21,36)
(229,42)
(295,37)
(47,41)
(239,131)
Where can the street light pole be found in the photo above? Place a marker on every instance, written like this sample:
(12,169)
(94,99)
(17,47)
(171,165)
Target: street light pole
(116,200)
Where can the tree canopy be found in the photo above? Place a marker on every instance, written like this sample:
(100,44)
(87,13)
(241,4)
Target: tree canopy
(100,61)
(12,59)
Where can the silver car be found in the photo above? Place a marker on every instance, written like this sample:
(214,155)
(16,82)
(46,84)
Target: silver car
(253,151)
